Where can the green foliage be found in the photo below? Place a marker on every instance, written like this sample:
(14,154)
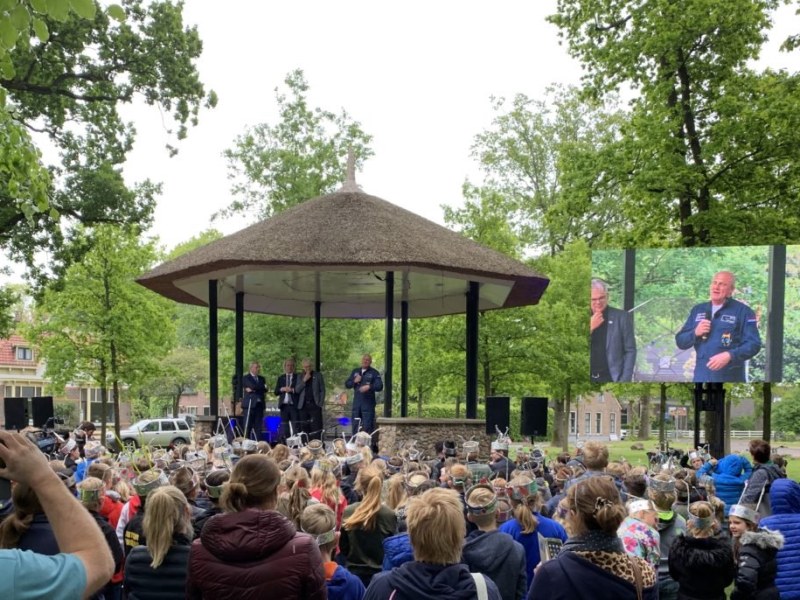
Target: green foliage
(743,422)
(69,70)
(303,156)
(102,327)
(8,299)
(181,371)
(786,414)
(67,412)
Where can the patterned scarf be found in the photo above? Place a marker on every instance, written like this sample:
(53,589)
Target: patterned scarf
(593,541)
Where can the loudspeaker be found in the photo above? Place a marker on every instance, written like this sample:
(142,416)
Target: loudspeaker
(498,413)
(42,410)
(534,417)
(15,411)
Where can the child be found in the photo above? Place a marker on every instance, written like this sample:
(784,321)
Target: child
(319,521)
(638,532)
(492,552)
(754,550)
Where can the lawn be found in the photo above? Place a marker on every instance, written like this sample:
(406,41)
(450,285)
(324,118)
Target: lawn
(618,450)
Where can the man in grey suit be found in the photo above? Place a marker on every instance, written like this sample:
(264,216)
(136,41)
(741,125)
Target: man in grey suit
(311,392)
(613,345)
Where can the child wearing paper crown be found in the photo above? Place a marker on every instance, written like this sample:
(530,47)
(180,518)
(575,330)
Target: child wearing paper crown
(319,521)
(700,561)
(755,552)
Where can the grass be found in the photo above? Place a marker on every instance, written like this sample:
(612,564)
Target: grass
(619,450)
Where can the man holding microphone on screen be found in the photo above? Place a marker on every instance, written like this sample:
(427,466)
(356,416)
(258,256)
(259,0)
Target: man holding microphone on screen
(723,332)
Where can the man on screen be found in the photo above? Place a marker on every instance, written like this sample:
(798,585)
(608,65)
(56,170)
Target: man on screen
(723,332)
(613,349)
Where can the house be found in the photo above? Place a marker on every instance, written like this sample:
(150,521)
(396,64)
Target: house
(597,416)
(22,375)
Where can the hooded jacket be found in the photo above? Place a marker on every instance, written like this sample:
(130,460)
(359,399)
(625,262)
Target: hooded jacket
(703,567)
(396,551)
(255,554)
(755,577)
(668,530)
(425,581)
(499,557)
(785,499)
(729,475)
(761,479)
(342,584)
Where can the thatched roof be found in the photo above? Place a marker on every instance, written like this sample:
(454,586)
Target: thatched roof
(336,249)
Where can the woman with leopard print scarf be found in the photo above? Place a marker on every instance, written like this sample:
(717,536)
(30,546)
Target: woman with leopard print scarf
(593,564)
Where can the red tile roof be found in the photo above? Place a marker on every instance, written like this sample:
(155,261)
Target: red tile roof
(8,354)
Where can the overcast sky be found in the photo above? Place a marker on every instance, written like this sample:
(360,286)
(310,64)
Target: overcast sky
(417,75)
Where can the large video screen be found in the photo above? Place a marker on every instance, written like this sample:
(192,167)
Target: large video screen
(693,315)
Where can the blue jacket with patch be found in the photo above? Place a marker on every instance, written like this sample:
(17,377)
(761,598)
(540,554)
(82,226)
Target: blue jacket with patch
(784,496)
(733,330)
(729,475)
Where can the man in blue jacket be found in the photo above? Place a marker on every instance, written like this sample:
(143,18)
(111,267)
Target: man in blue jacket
(723,332)
(364,381)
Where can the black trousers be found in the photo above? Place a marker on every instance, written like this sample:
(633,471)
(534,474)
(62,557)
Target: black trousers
(288,415)
(311,420)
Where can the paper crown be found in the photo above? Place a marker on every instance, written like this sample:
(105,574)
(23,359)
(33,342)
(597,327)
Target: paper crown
(354,459)
(249,445)
(665,487)
(214,491)
(362,438)
(93,449)
(317,448)
(145,487)
(471,447)
(520,492)
(69,446)
(415,479)
(640,505)
(500,445)
(743,512)
(489,508)
(325,465)
(294,441)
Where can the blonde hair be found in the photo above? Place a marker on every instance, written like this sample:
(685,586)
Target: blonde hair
(595,505)
(436,526)
(701,510)
(318,519)
(297,482)
(325,482)
(366,513)
(461,473)
(26,505)
(524,508)
(595,456)
(253,484)
(481,497)
(186,481)
(167,514)
(280,453)
(97,469)
(90,493)
(396,495)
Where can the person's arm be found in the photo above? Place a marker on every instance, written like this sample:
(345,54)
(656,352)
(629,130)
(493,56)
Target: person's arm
(350,383)
(755,484)
(75,529)
(686,338)
(746,575)
(124,517)
(301,384)
(751,340)
(278,385)
(377,383)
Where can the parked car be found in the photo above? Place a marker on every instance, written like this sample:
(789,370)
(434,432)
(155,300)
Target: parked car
(153,432)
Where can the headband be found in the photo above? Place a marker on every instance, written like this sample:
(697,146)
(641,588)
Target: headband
(481,510)
(89,495)
(640,505)
(743,512)
(323,538)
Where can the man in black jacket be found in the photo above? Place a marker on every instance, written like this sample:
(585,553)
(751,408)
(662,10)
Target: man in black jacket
(311,396)
(255,389)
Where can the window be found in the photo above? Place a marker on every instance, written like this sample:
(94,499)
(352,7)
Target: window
(598,424)
(167,426)
(183,426)
(206,411)
(573,422)
(623,417)
(24,353)
(612,423)
(191,410)
(151,426)
(587,423)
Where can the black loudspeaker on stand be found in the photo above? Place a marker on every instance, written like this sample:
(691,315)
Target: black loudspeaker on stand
(15,411)
(498,414)
(42,410)
(534,417)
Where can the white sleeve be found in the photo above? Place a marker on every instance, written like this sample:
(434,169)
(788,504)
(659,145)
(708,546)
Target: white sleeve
(124,517)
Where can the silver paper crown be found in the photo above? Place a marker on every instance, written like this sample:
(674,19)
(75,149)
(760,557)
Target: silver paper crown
(502,441)
(471,447)
(317,448)
(249,445)
(354,459)
(481,510)
(143,488)
(665,487)
(743,512)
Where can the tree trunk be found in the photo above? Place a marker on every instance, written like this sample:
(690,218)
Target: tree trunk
(767,410)
(558,418)
(103,400)
(662,420)
(419,402)
(115,386)
(644,419)
(726,442)
(710,427)
(176,403)
(565,420)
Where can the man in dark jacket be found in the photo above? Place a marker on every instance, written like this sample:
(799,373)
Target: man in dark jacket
(364,381)
(436,528)
(764,473)
(255,389)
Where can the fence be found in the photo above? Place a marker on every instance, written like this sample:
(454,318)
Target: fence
(736,434)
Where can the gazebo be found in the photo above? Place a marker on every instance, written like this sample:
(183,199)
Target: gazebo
(354,256)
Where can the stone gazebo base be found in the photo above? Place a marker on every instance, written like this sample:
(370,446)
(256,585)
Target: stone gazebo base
(395,432)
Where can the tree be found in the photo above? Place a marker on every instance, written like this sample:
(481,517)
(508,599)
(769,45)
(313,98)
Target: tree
(102,327)
(710,155)
(538,155)
(65,75)
(181,371)
(303,156)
